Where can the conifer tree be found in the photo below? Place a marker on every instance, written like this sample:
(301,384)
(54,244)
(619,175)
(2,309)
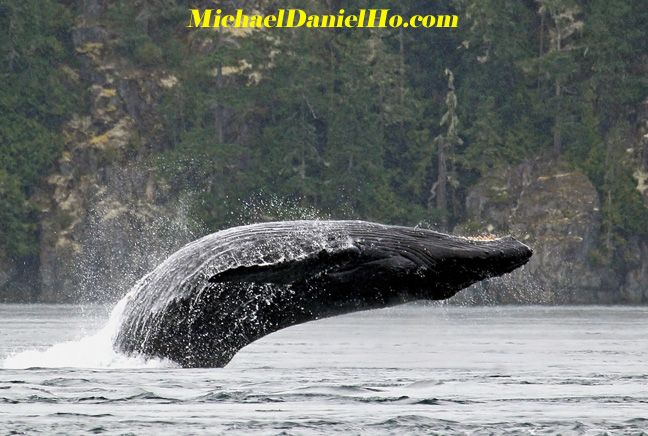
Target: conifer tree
(444,145)
(563,20)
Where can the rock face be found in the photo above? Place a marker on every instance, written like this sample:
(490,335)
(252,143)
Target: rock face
(556,211)
(635,287)
(100,226)
(641,153)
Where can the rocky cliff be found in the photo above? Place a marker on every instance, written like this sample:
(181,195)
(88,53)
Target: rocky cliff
(556,210)
(636,279)
(106,219)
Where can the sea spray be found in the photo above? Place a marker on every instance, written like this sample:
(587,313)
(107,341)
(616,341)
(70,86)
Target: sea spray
(119,247)
(157,238)
(92,351)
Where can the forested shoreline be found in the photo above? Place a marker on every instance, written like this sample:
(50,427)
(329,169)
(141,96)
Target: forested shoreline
(123,134)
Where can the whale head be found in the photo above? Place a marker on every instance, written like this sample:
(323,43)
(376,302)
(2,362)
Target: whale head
(453,263)
(424,264)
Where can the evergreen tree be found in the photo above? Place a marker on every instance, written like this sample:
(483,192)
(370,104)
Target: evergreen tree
(444,145)
(37,95)
(562,20)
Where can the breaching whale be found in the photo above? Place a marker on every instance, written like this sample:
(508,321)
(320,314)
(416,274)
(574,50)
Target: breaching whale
(223,291)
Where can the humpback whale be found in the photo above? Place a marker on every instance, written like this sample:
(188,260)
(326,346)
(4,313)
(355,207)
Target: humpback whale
(223,291)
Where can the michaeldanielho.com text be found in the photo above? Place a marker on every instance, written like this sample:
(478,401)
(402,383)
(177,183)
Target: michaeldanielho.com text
(288,18)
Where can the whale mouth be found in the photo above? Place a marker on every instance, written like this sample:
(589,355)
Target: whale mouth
(503,255)
(439,265)
(480,259)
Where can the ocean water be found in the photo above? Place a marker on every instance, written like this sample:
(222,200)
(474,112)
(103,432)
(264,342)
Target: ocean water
(415,369)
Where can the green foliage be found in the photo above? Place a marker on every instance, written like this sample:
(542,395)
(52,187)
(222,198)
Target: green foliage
(35,98)
(625,213)
(146,30)
(148,53)
(319,135)
(17,233)
(344,121)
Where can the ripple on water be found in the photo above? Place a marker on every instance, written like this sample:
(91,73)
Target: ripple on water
(65,382)
(304,381)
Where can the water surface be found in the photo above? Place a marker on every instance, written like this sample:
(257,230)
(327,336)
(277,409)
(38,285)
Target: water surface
(415,369)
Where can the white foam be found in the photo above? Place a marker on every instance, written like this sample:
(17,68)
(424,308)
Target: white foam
(93,351)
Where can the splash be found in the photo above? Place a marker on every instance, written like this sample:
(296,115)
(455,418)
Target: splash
(263,207)
(93,351)
(148,242)
(120,244)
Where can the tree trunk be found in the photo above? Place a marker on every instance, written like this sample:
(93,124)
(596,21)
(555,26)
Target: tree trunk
(557,139)
(541,52)
(608,176)
(218,108)
(441,188)
(401,73)
(542,27)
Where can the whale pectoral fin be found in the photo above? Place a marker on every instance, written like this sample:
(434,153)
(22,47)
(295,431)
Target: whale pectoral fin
(375,269)
(291,271)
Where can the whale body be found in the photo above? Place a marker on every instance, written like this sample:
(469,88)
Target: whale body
(223,291)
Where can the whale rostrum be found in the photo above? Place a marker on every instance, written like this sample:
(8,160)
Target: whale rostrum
(223,291)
